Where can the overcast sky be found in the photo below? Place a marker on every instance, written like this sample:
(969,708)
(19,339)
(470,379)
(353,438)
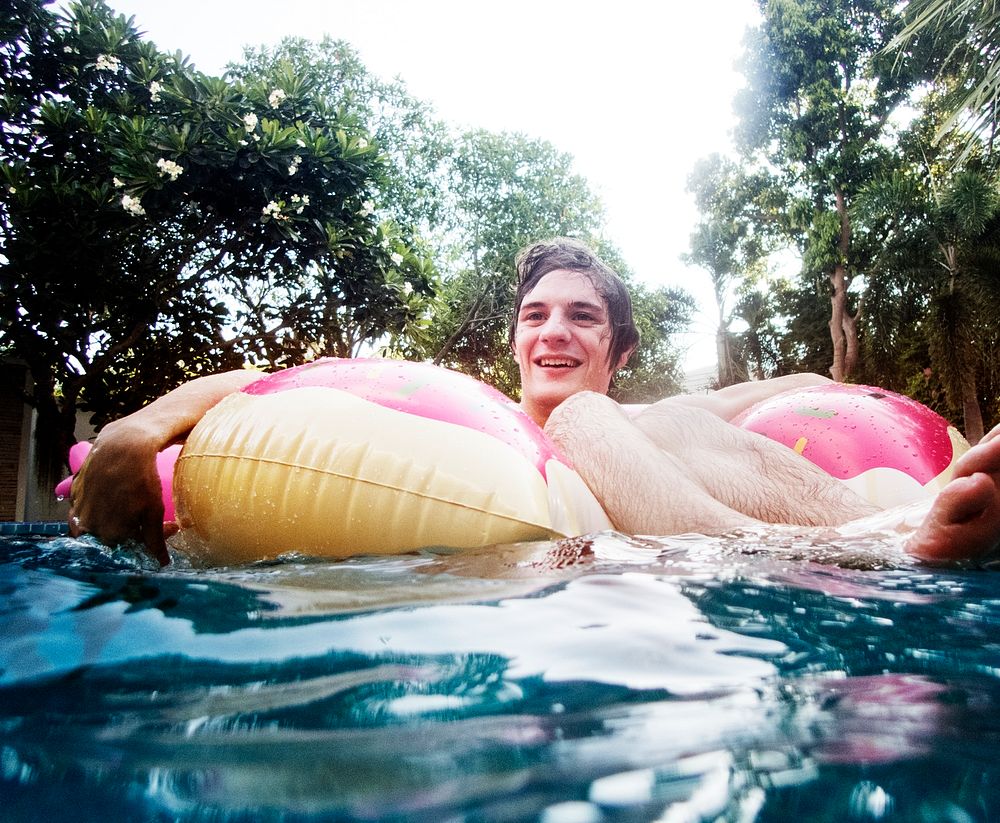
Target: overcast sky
(635,90)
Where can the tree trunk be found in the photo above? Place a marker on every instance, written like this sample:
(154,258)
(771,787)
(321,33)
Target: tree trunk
(838,311)
(850,341)
(463,327)
(757,352)
(971,413)
(724,357)
(843,325)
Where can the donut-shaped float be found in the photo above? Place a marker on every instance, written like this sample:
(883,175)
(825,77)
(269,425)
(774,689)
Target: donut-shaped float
(888,448)
(345,457)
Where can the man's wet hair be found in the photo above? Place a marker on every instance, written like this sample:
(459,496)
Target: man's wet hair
(539,259)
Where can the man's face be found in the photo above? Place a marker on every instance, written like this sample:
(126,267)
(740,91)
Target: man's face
(561,342)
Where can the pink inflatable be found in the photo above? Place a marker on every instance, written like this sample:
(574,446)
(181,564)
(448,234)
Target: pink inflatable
(343,457)
(887,447)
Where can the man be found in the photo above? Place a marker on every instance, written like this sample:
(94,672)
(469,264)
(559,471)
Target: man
(672,467)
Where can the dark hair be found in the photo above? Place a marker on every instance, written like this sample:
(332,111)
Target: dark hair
(539,259)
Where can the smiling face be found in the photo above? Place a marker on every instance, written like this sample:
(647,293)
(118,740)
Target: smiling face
(561,342)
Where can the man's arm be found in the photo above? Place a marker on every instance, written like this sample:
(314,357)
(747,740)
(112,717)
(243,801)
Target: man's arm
(116,495)
(730,401)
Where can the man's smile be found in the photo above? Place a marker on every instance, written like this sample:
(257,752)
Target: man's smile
(557,362)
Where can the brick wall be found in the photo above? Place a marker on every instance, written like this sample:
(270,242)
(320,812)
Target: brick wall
(12,412)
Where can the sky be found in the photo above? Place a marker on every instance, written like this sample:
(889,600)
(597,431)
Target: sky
(635,90)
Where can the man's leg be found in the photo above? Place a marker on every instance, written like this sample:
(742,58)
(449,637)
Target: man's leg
(648,491)
(749,473)
(643,489)
(676,469)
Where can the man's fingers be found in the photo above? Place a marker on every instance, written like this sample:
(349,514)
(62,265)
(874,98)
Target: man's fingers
(152,536)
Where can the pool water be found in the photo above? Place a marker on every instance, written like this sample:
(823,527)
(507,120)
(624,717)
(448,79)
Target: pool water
(593,679)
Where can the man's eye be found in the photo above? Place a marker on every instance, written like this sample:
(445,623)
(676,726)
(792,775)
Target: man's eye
(585,318)
(535,315)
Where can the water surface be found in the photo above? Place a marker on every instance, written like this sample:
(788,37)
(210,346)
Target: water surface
(593,679)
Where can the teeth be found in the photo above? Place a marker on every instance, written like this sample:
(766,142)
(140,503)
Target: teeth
(556,361)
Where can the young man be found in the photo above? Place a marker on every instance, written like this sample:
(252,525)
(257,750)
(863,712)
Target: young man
(675,466)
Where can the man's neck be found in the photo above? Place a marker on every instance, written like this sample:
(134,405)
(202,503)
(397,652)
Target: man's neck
(539,415)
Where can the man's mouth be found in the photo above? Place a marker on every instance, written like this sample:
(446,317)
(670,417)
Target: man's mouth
(557,362)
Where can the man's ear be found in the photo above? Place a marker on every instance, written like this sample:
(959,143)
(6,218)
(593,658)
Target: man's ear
(625,356)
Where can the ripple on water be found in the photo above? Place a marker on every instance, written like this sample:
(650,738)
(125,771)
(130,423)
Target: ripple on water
(602,678)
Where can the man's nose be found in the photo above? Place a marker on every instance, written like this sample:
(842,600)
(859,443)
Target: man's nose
(555,327)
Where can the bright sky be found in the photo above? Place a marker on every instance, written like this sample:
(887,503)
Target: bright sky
(637,91)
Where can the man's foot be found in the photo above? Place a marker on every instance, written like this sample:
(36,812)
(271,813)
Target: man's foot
(964,519)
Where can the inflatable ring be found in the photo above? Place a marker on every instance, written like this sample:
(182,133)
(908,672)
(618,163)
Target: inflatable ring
(346,457)
(888,448)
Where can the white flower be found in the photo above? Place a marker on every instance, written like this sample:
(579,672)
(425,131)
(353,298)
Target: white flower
(107,62)
(296,198)
(154,91)
(305,199)
(396,258)
(168,168)
(132,205)
(244,143)
(256,138)
(366,208)
(250,122)
(362,143)
(273,210)
(68,49)
(276,98)
(407,289)
(300,143)
(11,189)
(292,169)
(118,182)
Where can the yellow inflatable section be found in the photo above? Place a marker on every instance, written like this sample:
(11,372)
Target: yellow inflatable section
(321,471)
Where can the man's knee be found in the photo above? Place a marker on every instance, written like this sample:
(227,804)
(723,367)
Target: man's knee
(579,412)
(678,429)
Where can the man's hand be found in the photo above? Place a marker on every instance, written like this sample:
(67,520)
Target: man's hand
(116,495)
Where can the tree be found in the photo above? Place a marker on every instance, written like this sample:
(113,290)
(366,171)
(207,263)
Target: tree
(946,233)
(961,40)
(654,371)
(141,200)
(730,242)
(503,191)
(476,198)
(817,111)
(414,143)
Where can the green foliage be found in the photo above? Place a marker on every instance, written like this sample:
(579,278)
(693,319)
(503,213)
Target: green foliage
(730,242)
(815,121)
(143,201)
(849,117)
(159,223)
(476,198)
(940,229)
(959,41)
(654,371)
(412,141)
